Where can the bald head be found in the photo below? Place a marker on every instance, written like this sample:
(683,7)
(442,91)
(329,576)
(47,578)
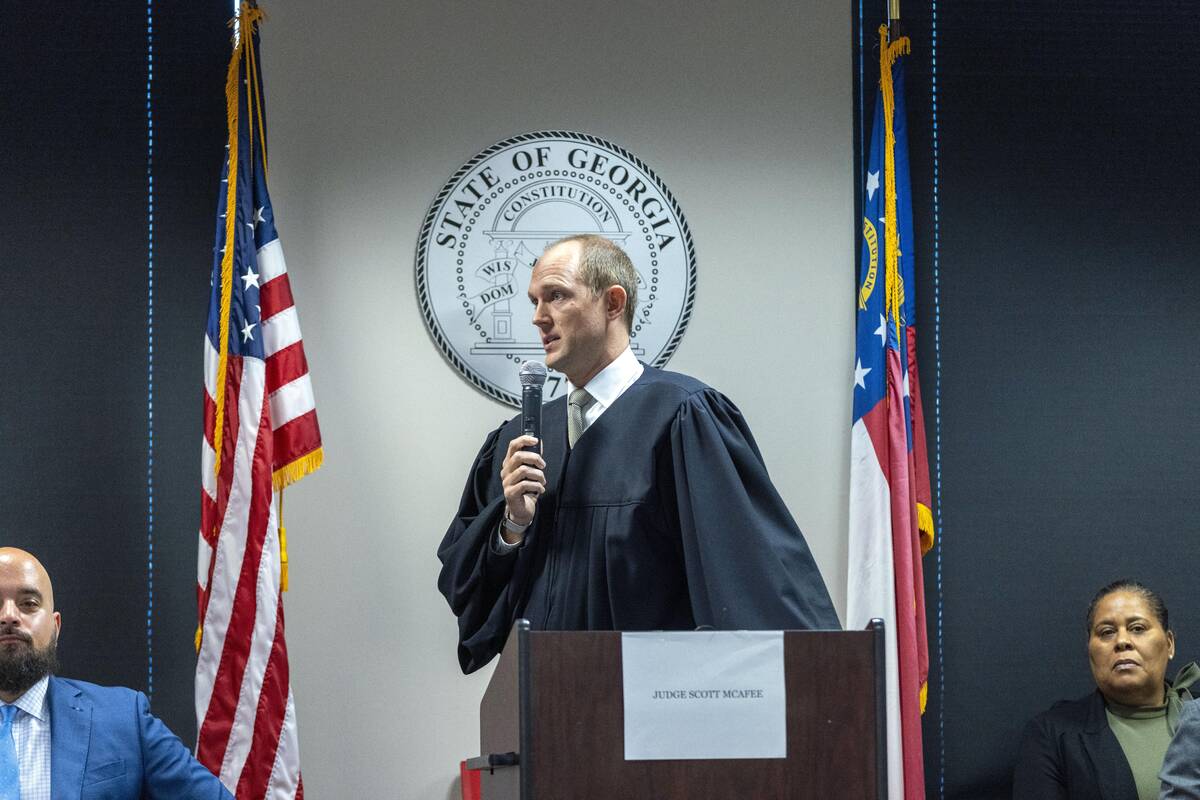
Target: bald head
(24,568)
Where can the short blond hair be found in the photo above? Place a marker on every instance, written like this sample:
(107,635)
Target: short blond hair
(603,264)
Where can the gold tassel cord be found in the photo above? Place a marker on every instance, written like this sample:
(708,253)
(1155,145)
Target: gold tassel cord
(231,122)
(256,94)
(283,557)
(893,285)
(251,17)
(248,82)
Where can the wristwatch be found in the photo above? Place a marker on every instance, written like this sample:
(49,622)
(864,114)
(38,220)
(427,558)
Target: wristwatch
(511,526)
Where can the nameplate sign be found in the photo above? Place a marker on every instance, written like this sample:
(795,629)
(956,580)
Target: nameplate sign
(705,694)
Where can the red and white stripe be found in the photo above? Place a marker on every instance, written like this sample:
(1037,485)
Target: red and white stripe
(871,590)
(244,701)
(293,409)
(885,575)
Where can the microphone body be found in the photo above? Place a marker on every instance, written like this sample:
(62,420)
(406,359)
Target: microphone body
(533,377)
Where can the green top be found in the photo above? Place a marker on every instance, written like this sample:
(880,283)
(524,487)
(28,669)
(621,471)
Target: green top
(1144,733)
(1144,736)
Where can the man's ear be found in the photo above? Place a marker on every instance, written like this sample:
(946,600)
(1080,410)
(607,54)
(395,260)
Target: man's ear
(615,299)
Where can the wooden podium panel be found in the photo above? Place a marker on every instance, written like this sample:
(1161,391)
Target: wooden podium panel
(552,725)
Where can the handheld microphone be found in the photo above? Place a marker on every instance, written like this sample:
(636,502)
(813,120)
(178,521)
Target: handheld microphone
(533,376)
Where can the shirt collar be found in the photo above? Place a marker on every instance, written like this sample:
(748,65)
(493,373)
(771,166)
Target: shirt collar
(608,384)
(33,702)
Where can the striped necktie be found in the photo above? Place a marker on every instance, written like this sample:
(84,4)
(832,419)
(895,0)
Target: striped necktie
(10,769)
(577,406)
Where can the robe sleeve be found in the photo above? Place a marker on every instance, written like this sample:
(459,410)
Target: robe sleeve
(476,579)
(748,565)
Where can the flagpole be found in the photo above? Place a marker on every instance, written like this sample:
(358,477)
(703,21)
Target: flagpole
(895,31)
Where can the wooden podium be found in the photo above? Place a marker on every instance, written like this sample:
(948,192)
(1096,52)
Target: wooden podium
(551,725)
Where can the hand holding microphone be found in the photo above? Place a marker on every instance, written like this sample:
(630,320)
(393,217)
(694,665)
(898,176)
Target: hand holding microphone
(522,474)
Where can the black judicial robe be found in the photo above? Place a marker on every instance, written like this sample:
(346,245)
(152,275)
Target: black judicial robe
(662,517)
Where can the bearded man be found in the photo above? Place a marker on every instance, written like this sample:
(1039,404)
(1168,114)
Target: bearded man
(67,739)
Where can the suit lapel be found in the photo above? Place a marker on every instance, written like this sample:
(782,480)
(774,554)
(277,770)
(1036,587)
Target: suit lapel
(1113,776)
(70,735)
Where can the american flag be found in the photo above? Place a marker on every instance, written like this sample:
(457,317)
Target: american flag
(890,521)
(260,433)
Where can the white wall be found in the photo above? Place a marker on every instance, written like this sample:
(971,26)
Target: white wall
(744,110)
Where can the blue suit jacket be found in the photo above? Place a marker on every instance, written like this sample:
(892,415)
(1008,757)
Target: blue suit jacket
(106,745)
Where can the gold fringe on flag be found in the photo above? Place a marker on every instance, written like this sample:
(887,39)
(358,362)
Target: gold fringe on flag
(925,526)
(290,473)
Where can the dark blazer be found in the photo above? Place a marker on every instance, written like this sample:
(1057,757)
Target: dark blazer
(105,744)
(1070,753)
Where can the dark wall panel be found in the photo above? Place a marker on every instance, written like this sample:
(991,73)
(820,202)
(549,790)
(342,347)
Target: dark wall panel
(189,109)
(83,296)
(1068,312)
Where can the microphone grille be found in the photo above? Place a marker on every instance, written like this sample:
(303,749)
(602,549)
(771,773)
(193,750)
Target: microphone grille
(533,373)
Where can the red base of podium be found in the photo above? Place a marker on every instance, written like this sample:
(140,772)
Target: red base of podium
(470,782)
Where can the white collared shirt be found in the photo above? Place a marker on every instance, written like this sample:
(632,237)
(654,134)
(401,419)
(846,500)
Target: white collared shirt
(31,735)
(608,384)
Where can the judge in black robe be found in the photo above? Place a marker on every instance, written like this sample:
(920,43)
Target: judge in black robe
(661,517)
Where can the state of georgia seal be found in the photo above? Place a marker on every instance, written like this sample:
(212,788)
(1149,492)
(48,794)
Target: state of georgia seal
(495,216)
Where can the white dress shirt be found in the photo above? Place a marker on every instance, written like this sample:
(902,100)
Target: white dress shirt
(608,384)
(31,735)
(605,387)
